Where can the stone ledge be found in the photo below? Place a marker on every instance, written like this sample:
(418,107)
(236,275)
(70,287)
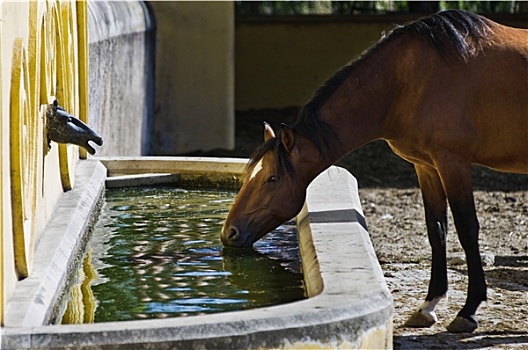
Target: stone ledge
(142,180)
(30,304)
(180,165)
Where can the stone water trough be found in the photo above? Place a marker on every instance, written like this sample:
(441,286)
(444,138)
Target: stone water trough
(349,304)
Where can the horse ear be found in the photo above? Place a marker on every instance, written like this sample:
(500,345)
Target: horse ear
(287,138)
(268,132)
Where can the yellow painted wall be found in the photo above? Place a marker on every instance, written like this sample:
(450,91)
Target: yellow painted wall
(43,56)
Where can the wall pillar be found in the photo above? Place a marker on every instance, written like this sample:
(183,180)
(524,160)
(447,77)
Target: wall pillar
(194,76)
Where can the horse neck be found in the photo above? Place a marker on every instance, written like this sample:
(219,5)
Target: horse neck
(359,109)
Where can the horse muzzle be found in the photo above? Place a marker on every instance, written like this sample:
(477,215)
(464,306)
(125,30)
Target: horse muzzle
(232,236)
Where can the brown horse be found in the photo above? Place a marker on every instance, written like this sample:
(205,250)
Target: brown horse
(446,91)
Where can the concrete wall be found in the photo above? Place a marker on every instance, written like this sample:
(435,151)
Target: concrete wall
(280,62)
(121,76)
(194,76)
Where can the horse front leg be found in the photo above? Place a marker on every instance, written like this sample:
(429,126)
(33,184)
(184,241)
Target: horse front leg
(435,205)
(456,177)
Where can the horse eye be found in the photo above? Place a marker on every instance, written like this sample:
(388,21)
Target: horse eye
(272,179)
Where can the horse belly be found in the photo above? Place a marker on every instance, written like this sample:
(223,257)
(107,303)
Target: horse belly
(514,160)
(501,146)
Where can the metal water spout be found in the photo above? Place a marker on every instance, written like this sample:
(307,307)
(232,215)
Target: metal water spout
(65,128)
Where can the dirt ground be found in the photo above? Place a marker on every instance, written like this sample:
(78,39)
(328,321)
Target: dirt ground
(393,208)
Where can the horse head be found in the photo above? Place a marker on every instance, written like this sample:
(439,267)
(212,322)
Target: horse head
(65,128)
(273,191)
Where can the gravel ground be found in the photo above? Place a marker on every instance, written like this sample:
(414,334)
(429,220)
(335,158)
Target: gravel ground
(397,227)
(394,212)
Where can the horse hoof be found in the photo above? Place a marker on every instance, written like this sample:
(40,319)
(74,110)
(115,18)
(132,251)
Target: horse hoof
(421,318)
(463,325)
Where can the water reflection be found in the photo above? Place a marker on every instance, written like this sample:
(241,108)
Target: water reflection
(157,253)
(81,308)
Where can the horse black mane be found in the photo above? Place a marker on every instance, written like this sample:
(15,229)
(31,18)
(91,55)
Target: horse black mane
(460,29)
(456,29)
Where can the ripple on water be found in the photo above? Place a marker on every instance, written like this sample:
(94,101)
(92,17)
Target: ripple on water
(157,253)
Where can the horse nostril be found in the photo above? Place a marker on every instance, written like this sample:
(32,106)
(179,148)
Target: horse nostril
(233,234)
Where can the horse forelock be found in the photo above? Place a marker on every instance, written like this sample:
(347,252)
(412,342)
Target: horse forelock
(274,146)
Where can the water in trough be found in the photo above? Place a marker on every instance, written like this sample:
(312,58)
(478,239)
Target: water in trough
(156,252)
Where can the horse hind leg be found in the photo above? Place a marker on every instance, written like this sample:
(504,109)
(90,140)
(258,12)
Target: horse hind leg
(435,205)
(456,177)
